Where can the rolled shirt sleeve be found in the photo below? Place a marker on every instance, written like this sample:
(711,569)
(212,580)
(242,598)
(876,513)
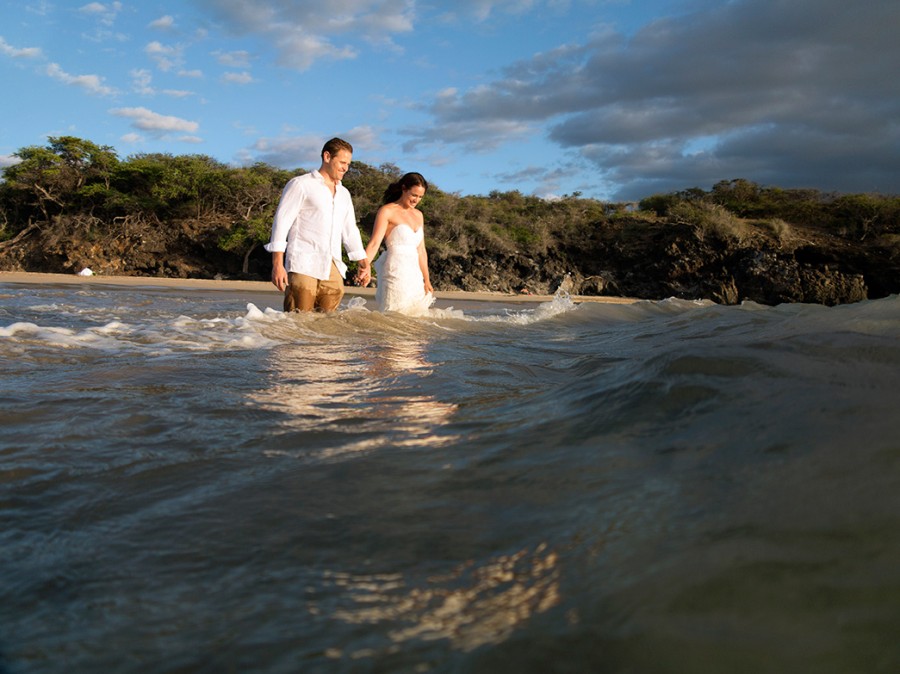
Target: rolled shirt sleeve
(285,215)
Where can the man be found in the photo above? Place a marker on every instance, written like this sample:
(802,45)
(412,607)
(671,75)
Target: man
(315,215)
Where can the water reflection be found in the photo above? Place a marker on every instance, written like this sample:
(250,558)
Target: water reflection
(471,606)
(395,371)
(347,396)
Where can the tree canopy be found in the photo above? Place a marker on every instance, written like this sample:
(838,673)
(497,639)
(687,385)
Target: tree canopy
(76,178)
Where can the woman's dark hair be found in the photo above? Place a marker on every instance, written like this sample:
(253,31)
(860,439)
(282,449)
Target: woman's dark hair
(395,190)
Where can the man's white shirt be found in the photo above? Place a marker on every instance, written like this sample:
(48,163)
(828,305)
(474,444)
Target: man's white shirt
(310,225)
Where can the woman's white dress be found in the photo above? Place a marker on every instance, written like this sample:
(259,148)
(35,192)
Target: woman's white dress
(400,284)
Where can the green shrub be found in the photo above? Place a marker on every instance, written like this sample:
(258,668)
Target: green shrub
(778,228)
(710,220)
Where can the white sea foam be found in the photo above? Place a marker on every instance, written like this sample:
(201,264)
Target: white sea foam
(561,303)
(153,334)
(254,313)
(56,336)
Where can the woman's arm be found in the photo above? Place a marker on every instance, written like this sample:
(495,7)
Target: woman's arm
(423,265)
(379,230)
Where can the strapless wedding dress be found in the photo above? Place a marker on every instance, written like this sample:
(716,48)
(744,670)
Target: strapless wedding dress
(400,284)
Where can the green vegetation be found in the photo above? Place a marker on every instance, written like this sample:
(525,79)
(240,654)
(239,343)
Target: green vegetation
(75,185)
(854,216)
(73,188)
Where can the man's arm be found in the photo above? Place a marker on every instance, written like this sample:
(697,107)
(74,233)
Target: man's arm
(353,244)
(279,274)
(285,214)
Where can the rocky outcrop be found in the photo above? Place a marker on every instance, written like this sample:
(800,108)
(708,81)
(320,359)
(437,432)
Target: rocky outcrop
(131,248)
(678,260)
(624,257)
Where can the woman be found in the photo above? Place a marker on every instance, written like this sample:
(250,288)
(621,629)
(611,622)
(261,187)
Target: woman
(403,281)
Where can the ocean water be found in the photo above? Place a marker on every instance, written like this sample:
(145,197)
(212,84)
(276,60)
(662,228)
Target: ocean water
(197,482)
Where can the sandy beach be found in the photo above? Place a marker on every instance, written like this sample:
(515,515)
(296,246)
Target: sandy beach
(266,287)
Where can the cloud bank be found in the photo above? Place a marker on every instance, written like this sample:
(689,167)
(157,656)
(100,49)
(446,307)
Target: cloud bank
(798,93)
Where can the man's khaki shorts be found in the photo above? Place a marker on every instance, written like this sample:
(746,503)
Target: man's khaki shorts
(307,293)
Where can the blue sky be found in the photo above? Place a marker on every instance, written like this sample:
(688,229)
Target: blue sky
(613,99)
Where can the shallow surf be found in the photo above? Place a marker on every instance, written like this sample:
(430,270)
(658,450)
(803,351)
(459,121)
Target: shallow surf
(197,482)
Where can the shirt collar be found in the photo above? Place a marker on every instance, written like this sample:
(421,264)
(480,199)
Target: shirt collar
(318,176)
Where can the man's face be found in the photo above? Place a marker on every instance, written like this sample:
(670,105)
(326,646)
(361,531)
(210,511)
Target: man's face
(336,165)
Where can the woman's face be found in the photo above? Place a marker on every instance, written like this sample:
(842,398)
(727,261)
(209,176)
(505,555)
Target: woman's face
(412,196)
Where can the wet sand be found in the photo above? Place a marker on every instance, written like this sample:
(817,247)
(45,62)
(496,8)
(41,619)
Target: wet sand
(267,288)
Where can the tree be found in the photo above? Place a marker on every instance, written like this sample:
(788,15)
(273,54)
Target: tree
(860,212)
(740,196)
(65,175)
(660,204)
(252,199)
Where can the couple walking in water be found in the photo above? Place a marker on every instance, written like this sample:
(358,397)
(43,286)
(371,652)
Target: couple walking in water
(315,217)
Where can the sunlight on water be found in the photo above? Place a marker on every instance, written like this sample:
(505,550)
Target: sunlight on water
(198,483)
(374,403)
(472,606)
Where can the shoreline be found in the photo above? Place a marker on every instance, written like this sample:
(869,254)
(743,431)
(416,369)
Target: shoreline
(40,278)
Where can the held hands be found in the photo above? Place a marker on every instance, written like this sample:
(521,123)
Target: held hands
(363,273)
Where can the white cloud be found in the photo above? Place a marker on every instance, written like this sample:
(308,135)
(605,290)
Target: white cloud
(27,52)
(166,22)
(482,10)
(7,160)
(475,136)
(299,51)
(41,8)
(107,13)
(93,84)
(165,56)
(306,31)
(363,137)
(305,151)
(237,78)
(141,80)
(233,59)
(289,152)
(93,8)
(178,93)
(793,94)
(194,74)
(152,122)
(142,83)
(245,130)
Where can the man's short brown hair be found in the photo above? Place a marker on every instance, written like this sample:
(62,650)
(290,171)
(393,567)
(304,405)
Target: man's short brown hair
(335,145)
